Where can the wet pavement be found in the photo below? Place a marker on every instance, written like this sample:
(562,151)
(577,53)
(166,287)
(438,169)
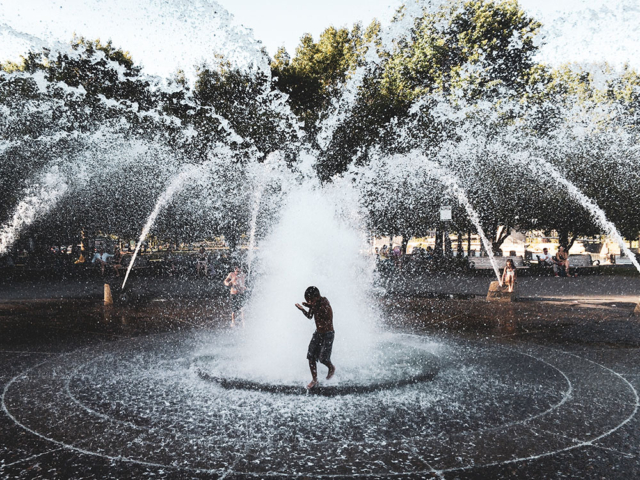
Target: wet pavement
(534,389)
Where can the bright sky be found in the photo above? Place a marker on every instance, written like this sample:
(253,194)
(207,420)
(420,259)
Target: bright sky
(283,22)
(168,34)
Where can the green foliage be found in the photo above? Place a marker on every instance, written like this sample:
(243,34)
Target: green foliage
(462,88)
(53,106)
(318,70)
(475,46)
(235,96)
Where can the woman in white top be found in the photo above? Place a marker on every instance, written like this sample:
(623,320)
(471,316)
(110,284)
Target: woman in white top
(509,275)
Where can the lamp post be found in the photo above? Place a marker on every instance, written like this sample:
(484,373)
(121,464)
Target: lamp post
(445,217)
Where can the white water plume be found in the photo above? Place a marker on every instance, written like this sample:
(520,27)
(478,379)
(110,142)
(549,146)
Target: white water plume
(596,212)
(260,182)
(311,245)
(38,201)
(410,167)
(253,223)
(174,186)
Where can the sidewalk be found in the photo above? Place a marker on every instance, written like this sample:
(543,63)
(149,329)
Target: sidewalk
(598,288)
(93,288)
(592,288)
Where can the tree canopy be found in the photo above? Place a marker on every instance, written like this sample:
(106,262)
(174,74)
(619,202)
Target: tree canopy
(461,88)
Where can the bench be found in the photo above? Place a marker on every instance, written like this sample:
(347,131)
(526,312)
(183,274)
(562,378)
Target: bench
(581,261)
(622,260)
(484,263)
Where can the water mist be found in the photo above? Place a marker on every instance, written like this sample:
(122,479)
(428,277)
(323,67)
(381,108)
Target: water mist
(312,244)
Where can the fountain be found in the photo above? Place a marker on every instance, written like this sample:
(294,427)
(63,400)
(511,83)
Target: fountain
(176,184)
(219,401)
(438,165)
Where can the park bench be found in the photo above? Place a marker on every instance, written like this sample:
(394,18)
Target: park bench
(582,261)
(484,263)
(622,260)
(576,262)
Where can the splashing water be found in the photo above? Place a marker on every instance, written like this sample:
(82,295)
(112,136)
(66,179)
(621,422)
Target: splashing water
(415,162)
(39,202)
(342,105)
(166,35)
(255,210)
(596,212)
(311,245)
(260,182)
(452,184)
(175,186)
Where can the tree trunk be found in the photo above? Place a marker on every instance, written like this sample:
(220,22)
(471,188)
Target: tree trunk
(437,250)
(405,242)
(232,241)
(563,239)
(448,252)
(501,235)
(460,250)
(469,243)
(573,240)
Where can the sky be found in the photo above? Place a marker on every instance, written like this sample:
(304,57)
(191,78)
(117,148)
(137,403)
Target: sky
(164,35)
(283,22)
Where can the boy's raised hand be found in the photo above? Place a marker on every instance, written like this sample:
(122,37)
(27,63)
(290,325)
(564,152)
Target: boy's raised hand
(300,308)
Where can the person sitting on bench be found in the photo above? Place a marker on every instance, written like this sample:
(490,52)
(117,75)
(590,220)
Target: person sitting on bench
(561,262)
(545,260)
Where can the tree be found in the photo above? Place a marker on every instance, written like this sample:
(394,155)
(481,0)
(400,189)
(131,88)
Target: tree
(319,69)
(478,46)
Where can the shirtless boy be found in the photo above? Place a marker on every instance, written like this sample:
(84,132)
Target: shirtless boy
(322,339)
(237,281)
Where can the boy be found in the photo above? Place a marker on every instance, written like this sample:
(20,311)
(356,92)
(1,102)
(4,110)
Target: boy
(322,339)
(237,281)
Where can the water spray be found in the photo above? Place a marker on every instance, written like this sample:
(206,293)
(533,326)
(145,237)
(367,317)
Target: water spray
(596,212)
(174,186)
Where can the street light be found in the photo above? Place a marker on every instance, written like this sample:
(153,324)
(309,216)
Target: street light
(445,213)
(445,216)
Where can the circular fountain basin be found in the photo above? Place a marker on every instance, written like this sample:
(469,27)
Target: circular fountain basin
(142,401)
(390,364)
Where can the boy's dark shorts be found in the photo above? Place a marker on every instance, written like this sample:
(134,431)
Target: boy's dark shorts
(320,347)
(237,302)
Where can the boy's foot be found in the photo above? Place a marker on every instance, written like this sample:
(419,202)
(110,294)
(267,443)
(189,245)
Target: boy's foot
(313,384)
(332,370)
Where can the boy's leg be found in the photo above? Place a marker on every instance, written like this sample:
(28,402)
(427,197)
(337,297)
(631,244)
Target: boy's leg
(331,367)
(312,355)
(325,354)
(313,366)
(314,373)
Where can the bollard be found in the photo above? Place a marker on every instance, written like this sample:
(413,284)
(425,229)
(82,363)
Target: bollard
(108,299)
(499,293)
